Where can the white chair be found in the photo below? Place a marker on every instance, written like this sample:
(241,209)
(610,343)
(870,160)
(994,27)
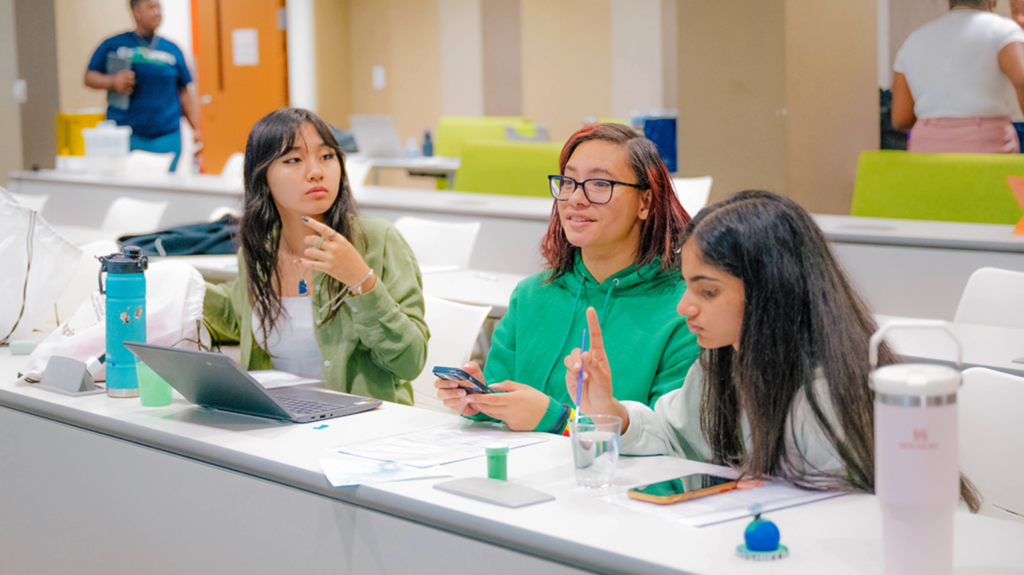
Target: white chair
(35,202)
(439,245)
(141,162)
(993,297)
(234,168)
(222,211)
(992,439)
(84,281)
(131,216)
(453,330)
(693,193)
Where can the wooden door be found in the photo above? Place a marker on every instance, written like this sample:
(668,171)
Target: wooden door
(240,51)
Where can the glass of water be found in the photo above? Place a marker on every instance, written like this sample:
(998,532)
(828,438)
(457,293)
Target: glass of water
(595,449)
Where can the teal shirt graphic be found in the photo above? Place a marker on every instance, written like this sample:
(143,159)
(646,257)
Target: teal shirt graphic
(154,107)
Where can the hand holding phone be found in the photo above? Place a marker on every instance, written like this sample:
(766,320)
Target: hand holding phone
(459,375)
(684,488)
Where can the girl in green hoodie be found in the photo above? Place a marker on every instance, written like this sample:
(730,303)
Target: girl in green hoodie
(613,244)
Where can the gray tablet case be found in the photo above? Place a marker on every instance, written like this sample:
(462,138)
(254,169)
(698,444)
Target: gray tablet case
(494,491)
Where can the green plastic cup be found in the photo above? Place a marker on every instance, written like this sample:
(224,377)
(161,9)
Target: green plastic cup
(153,390)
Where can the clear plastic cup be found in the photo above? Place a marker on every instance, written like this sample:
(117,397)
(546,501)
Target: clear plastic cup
(153,390)
(595,449)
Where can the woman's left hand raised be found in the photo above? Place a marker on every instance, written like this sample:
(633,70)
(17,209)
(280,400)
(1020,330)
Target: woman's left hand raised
(332,254)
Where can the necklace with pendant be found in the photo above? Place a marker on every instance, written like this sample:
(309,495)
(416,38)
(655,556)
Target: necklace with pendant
(303,286)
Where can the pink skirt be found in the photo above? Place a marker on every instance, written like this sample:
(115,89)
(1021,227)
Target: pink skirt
(978,135)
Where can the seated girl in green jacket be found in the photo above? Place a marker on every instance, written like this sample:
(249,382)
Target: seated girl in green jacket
(321,291)
(613,243)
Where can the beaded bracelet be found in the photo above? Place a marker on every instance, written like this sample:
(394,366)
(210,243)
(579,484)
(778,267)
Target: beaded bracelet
(356,288)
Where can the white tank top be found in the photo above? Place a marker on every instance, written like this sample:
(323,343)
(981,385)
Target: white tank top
(291,344)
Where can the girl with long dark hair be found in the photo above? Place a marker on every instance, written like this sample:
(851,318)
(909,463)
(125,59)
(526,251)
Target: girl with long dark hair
(781,388)
(612,243)
(321,291)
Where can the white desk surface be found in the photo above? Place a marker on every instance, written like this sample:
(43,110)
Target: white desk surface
(846,229)
(184,183)
(920,233)
(415,163)
(838,536)
(983,345)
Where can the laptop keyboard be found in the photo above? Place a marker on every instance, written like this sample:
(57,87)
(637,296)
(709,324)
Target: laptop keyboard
(303,407)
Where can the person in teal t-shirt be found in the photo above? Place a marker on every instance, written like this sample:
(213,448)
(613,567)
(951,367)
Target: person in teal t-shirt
(147,80)
(613,244)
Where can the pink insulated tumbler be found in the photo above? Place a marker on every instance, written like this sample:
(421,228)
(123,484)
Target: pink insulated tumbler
(917,479)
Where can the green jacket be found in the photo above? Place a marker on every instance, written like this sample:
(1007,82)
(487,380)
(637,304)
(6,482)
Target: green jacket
(648,344)
(374,346)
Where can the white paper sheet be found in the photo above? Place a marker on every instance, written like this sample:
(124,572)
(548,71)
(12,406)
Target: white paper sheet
(271,378)
(440,445)
(245,47)
(358,471)
(725,506)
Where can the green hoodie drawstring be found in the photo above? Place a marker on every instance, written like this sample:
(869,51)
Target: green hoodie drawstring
(568,330)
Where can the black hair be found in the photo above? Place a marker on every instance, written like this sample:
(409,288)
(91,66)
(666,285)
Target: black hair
(805,332)
(260,231)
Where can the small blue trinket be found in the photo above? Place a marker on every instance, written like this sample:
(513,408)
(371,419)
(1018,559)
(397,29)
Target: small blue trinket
(303,290)
(761,539)
(321,426)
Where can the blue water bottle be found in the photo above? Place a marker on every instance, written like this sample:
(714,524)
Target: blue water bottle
(126,316)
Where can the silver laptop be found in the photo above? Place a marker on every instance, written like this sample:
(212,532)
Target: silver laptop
(215,380)
(376,136)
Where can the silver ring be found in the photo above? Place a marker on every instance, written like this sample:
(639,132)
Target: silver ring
(331,235)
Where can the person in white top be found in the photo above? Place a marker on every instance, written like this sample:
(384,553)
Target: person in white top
(957,80)
(781,386)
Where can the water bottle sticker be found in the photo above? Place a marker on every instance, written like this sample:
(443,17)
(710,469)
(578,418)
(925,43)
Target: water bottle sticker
(138,312)
(125,318)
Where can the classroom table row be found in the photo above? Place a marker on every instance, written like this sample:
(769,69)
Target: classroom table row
(99,485)
(901,267)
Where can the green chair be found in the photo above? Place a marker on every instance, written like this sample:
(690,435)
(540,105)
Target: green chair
(510,168)
(943,187)
(452,131)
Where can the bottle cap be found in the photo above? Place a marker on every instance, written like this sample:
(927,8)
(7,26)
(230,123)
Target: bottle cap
(497,450)
(129,261)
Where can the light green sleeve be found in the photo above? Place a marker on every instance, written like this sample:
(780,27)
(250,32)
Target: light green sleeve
(389,319)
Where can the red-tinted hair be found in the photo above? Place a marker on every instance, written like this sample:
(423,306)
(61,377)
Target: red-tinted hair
(659,234)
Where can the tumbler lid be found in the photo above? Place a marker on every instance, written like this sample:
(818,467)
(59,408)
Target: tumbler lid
(917,379)
(129,261)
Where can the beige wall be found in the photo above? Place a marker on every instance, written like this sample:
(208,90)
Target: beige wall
(81,26)
(461,52)
(731,71)
(333,47)
(403,36)
(10,115)
(831,98)
(565,62)
(502,51)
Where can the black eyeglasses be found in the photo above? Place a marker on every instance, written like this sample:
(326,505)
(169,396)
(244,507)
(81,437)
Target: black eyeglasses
(597,190)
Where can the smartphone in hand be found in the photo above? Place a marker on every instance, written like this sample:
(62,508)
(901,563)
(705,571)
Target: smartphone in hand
(684,488)
(459,375)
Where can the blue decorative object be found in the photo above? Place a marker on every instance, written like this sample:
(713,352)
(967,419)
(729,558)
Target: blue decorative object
(762,539)
(303,290)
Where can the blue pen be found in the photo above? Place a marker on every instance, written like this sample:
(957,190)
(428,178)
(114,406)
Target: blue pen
(579,376)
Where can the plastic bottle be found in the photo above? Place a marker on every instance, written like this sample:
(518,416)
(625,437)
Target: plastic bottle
(497,462)
(428,145)
(125,292)
(411,149)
